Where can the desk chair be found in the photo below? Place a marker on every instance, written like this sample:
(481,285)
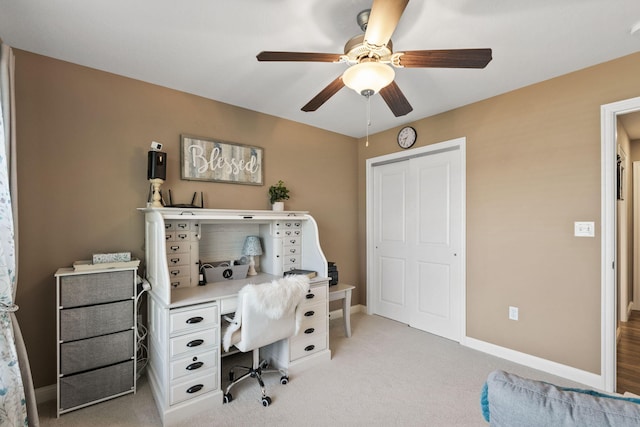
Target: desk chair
(266,313)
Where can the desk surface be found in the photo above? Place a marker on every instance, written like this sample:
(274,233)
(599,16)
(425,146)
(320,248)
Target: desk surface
(189,295)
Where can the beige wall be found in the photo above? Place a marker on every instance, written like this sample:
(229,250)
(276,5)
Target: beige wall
(83,137)
(533,168)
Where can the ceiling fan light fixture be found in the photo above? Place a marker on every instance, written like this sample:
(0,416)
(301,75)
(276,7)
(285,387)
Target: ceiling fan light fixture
(368,77)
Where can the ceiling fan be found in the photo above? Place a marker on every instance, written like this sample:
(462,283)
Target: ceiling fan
(370,54)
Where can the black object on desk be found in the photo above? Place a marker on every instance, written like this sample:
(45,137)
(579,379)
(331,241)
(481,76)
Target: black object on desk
(333,273)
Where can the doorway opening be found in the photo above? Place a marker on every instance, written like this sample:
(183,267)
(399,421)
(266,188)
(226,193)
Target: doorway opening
(610,265)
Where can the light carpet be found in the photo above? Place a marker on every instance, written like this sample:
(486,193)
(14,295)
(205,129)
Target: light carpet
(386,374)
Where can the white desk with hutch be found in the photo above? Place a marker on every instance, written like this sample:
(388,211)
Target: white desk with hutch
(184,318)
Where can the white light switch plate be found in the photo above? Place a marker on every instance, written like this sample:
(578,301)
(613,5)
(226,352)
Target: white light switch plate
(584,229)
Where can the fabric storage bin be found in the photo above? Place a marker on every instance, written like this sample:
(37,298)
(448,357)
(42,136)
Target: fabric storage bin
(96,288)
(85,322)
(220,273)
(82,355)
(90,386)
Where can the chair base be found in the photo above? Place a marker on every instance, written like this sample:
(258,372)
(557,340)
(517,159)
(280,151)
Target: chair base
(258,369)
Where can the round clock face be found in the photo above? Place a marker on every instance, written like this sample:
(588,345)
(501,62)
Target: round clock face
(407,137)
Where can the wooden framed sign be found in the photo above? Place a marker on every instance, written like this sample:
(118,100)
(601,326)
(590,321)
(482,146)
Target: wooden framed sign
(204,159)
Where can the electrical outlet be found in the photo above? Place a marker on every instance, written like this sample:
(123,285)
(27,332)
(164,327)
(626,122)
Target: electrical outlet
(513,313)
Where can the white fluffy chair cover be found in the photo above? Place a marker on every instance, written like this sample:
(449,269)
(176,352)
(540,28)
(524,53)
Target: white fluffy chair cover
(274,299)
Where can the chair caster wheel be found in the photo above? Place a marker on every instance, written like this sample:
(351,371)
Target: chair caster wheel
(284,379)
(227,398)
(266,401)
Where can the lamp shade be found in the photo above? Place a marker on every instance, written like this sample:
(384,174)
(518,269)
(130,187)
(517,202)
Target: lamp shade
(252,246)
(368,76)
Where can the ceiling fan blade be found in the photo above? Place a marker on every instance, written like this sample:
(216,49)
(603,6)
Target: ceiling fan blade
(324,95)
(395,99)
(298,56)
(383,20)
(446,58)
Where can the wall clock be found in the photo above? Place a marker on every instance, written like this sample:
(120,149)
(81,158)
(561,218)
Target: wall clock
(407,137)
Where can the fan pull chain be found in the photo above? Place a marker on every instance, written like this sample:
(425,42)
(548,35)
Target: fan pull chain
(368,118)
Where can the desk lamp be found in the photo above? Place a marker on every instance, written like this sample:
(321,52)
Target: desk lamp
(252,247)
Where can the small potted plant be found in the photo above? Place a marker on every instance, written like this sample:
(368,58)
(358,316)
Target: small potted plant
(277,194)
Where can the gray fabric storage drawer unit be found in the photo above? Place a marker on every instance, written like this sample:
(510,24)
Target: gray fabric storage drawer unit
(82,355)
(96,335)
(93,320)
(96,288)
(76,390)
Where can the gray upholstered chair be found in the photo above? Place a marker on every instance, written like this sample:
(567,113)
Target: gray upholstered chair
(266,313)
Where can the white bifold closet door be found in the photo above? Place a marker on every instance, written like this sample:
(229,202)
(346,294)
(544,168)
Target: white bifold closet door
(417,232)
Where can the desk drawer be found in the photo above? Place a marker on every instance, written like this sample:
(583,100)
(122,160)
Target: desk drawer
(193,387)
(193,365)
(288,224)
(287,233)
(178,271)
(178,248)
(317,320)
(174,260)
(307,345)
(292,241)
(180,281)
(315,295)
(194,343)
(182,320)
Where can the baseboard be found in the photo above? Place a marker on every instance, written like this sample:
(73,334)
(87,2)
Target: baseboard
(336,314)
(46,393)
(578,375)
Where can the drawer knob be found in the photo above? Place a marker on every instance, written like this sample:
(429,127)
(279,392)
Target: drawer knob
(175,248)
(175,260)
(309,331)
(195,343)
(196,319)
(311,296)
(309,313)
(194,366)
(309,347)
(195,388)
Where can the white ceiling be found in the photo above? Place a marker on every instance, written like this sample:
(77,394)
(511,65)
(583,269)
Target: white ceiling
(208,47)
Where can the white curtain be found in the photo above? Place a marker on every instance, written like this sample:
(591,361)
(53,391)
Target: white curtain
(17,399)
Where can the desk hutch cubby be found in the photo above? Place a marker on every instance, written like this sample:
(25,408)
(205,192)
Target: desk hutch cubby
(184,316)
